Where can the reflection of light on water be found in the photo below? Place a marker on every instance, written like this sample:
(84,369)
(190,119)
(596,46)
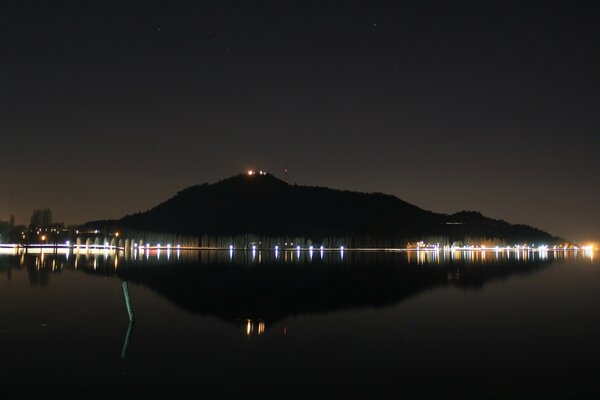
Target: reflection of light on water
(99,258)
(588,251)
(543,252)
(255,328)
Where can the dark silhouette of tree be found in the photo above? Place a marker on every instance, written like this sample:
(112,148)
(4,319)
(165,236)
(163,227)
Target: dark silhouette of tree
(41,218)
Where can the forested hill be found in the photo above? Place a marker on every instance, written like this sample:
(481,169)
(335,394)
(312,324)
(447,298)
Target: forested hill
(265,205)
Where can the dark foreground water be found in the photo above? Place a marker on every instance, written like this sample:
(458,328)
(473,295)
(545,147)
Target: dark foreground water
(361,325)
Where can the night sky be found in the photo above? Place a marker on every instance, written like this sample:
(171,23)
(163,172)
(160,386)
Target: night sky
(108,109)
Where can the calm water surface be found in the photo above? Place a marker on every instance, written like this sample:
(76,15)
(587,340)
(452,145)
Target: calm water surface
(386,325)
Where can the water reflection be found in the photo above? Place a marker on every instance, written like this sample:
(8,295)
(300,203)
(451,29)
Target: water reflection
(256,288)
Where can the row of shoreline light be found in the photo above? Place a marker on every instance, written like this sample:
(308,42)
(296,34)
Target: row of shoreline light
(168,247)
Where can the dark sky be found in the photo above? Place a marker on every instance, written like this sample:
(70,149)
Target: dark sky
(108,109)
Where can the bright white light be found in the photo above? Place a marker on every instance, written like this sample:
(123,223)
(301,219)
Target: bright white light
(310,248)
(230,247)
(253,247)
(341,248)
(298,248)
(276,248)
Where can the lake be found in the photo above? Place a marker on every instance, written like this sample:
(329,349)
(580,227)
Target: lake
(222,324)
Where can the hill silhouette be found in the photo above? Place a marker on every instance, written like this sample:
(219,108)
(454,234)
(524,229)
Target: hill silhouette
(265,205)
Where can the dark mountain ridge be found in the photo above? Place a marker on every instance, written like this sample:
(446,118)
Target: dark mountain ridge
(265,205)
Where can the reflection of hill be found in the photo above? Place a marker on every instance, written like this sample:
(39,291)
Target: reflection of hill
(274,292)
